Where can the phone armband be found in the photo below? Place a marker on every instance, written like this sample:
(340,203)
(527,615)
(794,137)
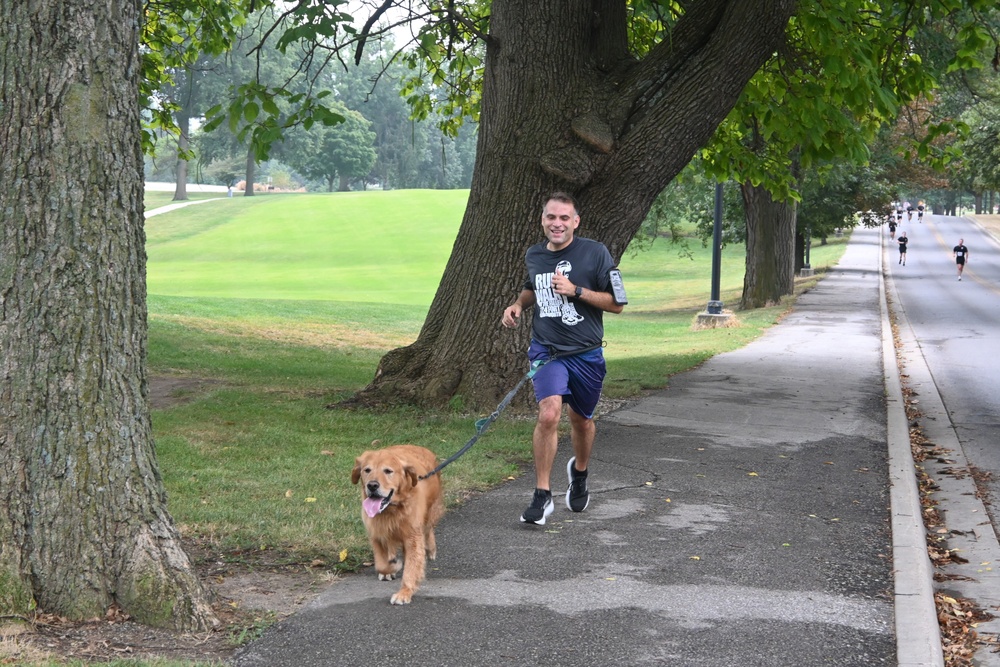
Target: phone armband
(618,287)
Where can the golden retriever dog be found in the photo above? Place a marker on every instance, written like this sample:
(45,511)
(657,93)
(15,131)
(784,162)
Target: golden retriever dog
(400,511)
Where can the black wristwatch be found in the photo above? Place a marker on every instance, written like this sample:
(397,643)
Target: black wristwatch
(579,292)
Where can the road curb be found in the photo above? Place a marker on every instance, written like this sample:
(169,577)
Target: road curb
(918,635)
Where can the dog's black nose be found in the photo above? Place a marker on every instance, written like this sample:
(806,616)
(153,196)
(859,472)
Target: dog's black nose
(372,487)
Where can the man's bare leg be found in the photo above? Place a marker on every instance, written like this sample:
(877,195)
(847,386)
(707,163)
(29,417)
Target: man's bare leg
(545,440)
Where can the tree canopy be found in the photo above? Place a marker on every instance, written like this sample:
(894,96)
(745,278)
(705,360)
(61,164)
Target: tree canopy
(344,151)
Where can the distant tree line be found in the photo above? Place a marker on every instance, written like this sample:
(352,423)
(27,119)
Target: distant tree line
(376,142)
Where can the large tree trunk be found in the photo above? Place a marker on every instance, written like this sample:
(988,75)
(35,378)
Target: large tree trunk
(569,110)
(770,258)
(83,519)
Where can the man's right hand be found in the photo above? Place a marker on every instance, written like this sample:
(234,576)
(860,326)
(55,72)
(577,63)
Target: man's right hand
(511,316)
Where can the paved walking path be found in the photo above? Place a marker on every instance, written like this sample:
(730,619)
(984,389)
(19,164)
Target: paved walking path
(172,207)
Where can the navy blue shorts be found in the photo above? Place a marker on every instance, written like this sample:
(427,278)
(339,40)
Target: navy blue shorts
(577,378)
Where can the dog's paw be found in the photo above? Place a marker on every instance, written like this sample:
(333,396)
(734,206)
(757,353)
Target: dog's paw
(402,597)
(389,576)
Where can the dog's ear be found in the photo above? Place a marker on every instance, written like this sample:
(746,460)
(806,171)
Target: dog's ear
(412,475)
(356,473)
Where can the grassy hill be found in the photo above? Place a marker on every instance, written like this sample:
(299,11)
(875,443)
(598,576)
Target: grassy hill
(383,247)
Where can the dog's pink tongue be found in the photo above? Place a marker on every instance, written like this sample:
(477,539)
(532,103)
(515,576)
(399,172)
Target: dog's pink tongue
(372,506)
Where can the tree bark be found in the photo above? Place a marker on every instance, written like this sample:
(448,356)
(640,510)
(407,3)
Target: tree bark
(251,172)
(569,109)
(83,518)
(183,144)
(770,257)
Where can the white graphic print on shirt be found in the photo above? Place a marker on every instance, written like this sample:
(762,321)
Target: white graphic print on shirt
(551,304)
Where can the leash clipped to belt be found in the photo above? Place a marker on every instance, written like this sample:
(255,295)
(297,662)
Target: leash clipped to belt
(484,423)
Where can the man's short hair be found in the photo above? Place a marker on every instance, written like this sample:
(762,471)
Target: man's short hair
(563,197)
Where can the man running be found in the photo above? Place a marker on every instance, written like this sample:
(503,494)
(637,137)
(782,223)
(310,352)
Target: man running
(920,211)
(570,286)
(902,241)
(892,229)
(961,254)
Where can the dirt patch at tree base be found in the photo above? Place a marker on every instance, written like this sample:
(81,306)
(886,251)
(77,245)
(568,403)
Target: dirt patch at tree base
(247,600)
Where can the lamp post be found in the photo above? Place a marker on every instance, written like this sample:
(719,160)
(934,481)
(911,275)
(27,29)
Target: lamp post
(713,315)
(806,269)
(715,305)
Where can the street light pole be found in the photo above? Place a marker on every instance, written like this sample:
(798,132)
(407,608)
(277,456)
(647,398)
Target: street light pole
(715,304)
(806,269)
(713,315)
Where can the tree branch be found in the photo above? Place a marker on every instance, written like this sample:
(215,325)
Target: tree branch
(468,23)
(363,35)
(691,33)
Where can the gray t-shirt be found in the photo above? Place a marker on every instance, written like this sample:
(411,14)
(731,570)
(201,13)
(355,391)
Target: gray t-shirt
(562,323)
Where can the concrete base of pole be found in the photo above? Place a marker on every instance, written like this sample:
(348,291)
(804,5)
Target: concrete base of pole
(806,271)
(714,320)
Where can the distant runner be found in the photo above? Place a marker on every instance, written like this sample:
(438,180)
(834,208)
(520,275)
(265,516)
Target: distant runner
(902,241)
(892,229)
(920,211)
(961,256)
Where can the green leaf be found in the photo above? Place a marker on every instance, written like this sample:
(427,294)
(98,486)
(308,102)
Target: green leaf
(251,111)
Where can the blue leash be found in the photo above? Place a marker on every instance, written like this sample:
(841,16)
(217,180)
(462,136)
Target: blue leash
(484,423)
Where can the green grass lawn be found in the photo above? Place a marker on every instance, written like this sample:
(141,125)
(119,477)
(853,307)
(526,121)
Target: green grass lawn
(376,247)
(286,303)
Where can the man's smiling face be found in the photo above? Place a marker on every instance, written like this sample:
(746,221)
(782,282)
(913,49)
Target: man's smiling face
(559,221)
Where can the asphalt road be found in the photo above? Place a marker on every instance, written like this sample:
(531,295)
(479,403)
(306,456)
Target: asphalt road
(957,325)
(950,355)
